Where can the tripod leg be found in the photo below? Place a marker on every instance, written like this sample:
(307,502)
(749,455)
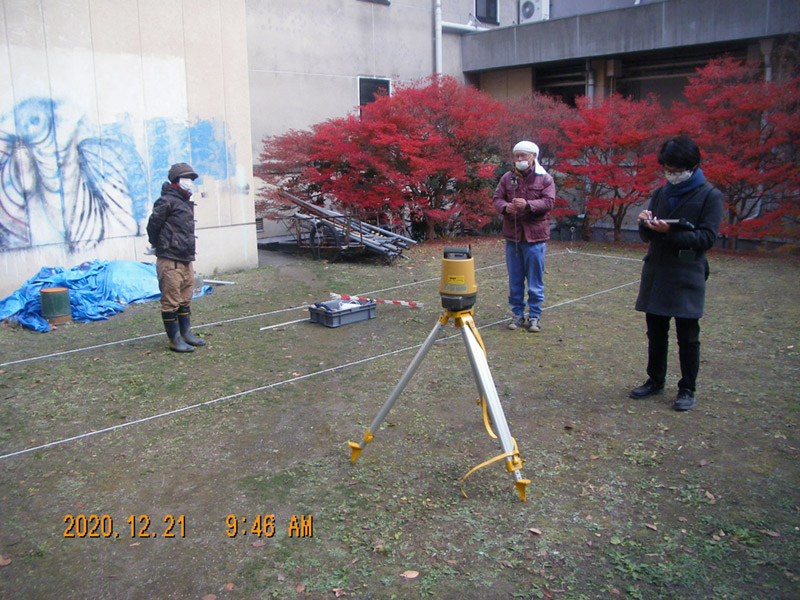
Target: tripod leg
(356,448)
(483,375)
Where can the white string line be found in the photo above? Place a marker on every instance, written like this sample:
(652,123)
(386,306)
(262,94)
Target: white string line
(603,255)
(278,384)
(142,337)
(273,312)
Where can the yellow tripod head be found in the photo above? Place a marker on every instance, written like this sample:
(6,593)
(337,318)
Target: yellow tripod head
(457,287)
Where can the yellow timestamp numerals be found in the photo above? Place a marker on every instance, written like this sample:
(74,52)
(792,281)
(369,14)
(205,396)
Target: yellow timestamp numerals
(264,526)
(139,526)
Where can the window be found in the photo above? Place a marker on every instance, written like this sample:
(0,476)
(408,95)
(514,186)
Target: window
(369,86)
(486,11)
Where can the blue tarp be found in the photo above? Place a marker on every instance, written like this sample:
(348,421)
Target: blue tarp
(97,290)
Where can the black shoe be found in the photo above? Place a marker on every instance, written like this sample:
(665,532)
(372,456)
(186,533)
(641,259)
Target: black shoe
(648,388)
(685,400)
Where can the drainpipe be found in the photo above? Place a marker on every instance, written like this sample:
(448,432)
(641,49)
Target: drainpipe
(459,28)
(766,51)
(437,36)
(590,82)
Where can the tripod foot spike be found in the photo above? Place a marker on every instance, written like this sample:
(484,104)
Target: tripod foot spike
(355,450)
(520,485)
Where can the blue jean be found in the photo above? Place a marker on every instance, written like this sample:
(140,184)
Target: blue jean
(525,260)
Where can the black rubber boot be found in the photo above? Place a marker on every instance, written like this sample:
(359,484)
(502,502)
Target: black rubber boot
(173,333)
(185,323)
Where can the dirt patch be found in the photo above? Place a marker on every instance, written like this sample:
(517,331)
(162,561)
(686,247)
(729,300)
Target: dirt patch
(629,499)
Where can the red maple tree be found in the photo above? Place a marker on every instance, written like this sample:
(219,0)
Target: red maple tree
(427,153)
(609,156)
(748,130)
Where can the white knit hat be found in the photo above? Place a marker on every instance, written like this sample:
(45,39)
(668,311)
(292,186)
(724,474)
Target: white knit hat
(526,146)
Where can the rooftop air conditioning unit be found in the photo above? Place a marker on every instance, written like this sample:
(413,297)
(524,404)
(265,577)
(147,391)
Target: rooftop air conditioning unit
(531,11)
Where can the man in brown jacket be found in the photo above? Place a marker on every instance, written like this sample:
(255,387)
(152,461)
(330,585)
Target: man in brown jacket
(525,196)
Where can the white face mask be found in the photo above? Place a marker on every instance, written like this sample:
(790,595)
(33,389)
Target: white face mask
(676,178)
(186,184)
(522,165)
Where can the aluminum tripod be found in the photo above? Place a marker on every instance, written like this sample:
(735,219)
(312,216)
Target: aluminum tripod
(489,399)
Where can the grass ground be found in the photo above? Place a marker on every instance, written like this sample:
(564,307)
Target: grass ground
(629,499)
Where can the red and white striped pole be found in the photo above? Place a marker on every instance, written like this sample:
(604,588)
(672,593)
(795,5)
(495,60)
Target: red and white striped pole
(395,302)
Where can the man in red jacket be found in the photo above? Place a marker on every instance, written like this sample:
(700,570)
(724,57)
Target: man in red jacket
(525,196)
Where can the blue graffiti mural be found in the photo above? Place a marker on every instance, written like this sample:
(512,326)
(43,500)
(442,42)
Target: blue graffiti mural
(65,181)
(60,183)
(205,145)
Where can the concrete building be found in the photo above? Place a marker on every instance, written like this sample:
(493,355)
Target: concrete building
(634,47)
(97,100)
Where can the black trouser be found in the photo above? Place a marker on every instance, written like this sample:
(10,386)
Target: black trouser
(688,349)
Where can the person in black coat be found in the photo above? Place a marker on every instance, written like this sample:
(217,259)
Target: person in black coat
(681,224)
(170,230)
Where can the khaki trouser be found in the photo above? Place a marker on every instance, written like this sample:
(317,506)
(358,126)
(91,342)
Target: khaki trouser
(176,282)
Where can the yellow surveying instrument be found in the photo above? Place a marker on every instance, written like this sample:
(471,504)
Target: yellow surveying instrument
(458,292)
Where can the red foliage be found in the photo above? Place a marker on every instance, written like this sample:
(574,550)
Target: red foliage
(540,119)
(747,130)
(609,155)
(424,153)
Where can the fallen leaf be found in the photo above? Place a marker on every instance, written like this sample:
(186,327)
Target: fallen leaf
(258,544)
(535,531)
(209,597)
(506,564)
(593,457)
(682,519)
(769,533)
(4,561)
(547,593)
(134,544)
(300,588)
(229,587)
(615,592)
(703,462)
(339,592)
(711,497)
(409,574)
(649,526)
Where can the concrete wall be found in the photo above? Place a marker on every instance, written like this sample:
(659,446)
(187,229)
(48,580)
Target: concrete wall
(305,56)
(98,99)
